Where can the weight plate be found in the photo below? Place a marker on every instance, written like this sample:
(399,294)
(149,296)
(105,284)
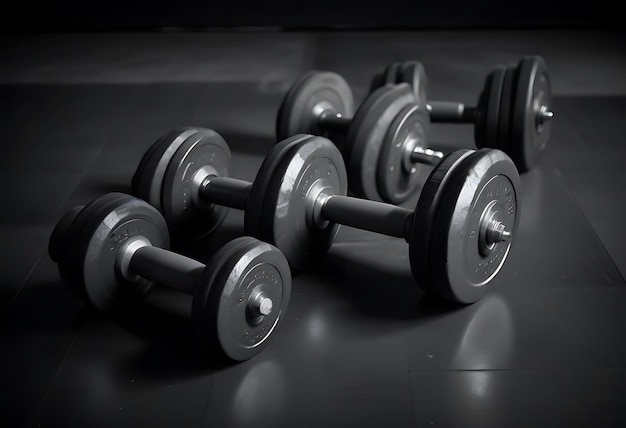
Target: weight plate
(307,168)
(130,217)
(413,73)
(480,193)
(506,103)
(140,172)
(529,134)
(492,116)
(148,177)
(234,280)
(391,73)
(365,136)
(377,81)
(310,95)
(386,76)
(481,121)
(187,215)
(90,268)
(71,265)
(425,216)
(60,247)
(397,176)
(253,220)
(486,128)
(60,242)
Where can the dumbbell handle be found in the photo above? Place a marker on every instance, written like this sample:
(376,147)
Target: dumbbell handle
(451,112)
(334,123)
(370,215)
(365,214)
(387,219)
(174,271)
(426,156)
(164,267)
(225,191)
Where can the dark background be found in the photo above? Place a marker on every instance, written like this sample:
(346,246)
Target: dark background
(38,15)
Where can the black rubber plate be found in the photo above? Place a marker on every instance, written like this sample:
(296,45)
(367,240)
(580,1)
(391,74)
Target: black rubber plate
(425,215)
(506,103)
(413,73)
(486,129)
(528,136)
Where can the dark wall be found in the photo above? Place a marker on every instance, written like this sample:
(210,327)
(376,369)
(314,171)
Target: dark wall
(37,15)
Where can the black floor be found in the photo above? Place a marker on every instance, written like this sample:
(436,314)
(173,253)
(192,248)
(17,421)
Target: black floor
(360,345)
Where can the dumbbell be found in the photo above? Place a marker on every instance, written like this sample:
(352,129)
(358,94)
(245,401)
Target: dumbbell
(383,143)
(459,234)
(113,250)
(513,112)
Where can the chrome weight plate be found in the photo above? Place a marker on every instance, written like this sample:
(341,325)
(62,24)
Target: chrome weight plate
(241,297)
(108,228)
(304,170)
(187,214)
(81,229)
(362,146)
(397,175)
(475,225)
(313,93)
(148,177)
(256,222)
